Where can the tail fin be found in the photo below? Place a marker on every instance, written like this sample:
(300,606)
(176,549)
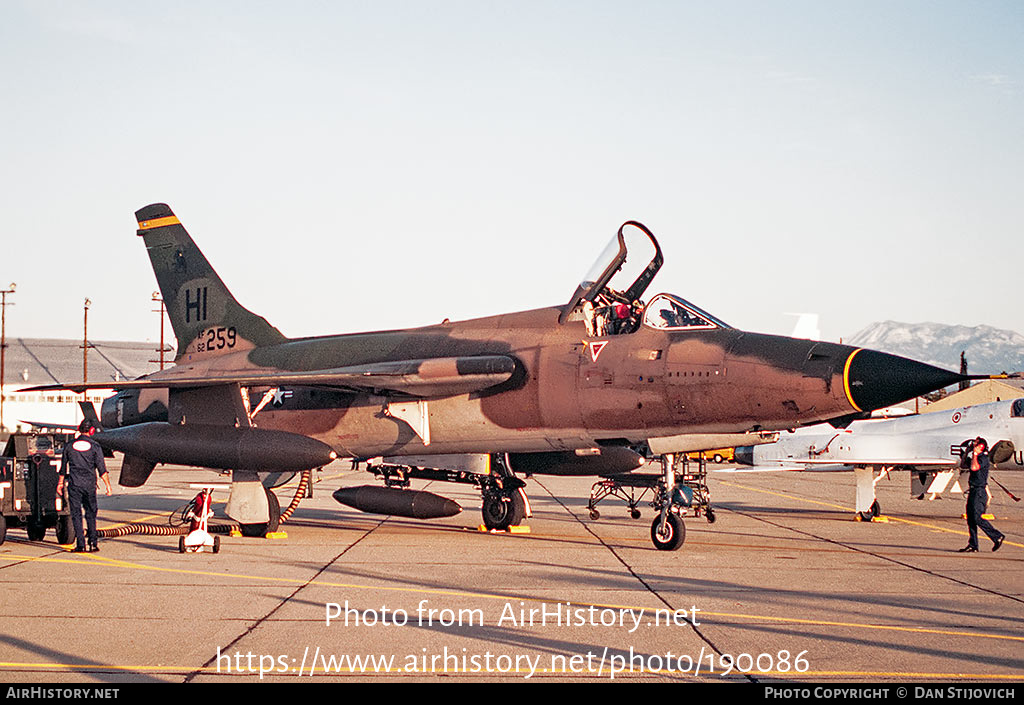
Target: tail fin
(206,319)
(89,413)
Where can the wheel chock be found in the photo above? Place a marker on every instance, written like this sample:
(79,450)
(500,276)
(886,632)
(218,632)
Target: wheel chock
(510,530)
(277,535)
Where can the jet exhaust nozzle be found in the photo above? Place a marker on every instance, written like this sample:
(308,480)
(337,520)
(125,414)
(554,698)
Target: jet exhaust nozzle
(413,504)
(218,447)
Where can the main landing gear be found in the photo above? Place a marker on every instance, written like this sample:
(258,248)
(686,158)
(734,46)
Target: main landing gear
(867,506)
(502,510)
(504,502)
(676,492)
(268,527)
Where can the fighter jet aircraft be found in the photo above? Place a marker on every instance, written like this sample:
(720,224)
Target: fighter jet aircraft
(575,388)
(930,446)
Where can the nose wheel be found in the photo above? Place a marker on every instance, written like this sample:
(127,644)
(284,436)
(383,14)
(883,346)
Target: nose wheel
(668,535)
(680,492)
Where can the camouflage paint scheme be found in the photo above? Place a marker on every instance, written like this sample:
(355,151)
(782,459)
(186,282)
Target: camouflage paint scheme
(518,382)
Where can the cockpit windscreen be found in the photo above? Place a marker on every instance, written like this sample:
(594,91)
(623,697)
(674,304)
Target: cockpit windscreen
(668,312)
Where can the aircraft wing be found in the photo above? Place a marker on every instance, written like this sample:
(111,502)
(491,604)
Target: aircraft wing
(758,468)
(55,426)
(429,378)
(916,462)
(820,465)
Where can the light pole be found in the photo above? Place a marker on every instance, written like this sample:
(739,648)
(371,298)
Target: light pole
(159,299)
(3,346)
(85,342)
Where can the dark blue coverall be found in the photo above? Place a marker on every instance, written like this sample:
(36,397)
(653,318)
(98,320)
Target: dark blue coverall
(82,459)
(977,498)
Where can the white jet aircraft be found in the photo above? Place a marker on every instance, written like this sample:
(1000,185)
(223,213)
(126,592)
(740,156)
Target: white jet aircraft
(929,446)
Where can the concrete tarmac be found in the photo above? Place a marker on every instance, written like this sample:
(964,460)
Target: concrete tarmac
(784,586)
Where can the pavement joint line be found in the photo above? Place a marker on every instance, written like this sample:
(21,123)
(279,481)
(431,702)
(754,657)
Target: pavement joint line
(865,551)
(113,563)
(299,588)
(693,627)
(848,509)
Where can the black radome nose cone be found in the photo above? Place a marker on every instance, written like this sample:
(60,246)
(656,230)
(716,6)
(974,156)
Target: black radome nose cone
(875,380)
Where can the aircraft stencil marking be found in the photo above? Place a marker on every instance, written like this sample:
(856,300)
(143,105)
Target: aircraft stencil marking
(199,305)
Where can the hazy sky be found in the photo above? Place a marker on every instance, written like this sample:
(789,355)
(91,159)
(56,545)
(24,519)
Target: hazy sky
(363,165)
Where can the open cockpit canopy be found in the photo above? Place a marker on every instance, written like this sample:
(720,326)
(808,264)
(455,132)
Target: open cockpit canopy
(617,281)
(633,240)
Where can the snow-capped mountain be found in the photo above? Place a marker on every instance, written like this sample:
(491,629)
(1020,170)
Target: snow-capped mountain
(989,350)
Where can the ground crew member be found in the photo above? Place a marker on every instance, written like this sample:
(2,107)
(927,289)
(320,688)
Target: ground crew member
(82,459)
(977,496)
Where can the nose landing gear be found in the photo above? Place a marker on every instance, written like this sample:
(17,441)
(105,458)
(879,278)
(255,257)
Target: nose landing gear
(677,492)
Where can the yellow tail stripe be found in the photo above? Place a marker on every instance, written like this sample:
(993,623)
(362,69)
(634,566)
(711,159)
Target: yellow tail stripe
(846,379)
(159,222)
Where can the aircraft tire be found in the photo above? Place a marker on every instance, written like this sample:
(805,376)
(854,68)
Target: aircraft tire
(674,535)
(262,529)
(36,532)
(3,529)
(181,544)
(874,511)
(634,513)
(65,531)
(216,544)
(499,514)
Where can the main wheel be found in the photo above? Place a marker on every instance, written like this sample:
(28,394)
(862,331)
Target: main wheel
(501,512)
(65,531)
(268,527)
(673,535)
(36,532)
(871,513)
(3,529)
(181,544)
